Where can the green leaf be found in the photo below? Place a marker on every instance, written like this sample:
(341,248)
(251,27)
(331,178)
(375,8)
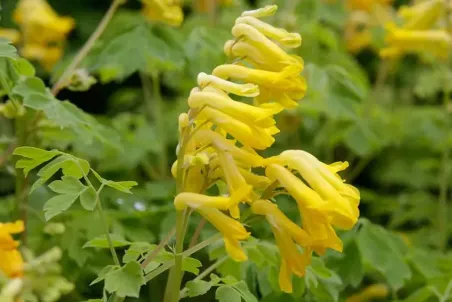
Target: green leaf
(227,294)
(244,292)
(421,295)
(67,185)
(150,53)
(137,249)
(64,114)
(198,287)
(380,251)
(102,242)
(123,186)
(35,157)
(126,281)
(351,267)
(88,199)
(191,265)
(103,273)
(7,50)
(58,204)
(24,67)
(70,166)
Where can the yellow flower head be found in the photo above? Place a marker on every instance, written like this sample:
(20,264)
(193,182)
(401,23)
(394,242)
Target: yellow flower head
(167,11)
(219,136)
(11,263)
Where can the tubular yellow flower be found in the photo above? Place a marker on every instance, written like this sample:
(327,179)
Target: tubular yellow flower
(11,34)
(167,11)
(342,200)
(422,15)
(402,41)
(248,134)
(284,86)
(11,262)
(245,155)
(312,207)
(259,116)
(232,230)
(286,232)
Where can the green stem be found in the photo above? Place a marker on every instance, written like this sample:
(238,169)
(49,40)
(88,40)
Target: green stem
(161,245)
(103,220)
(175,279)
(104,223)
(62,81)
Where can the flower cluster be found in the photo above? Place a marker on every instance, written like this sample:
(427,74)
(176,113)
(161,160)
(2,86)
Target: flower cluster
(219,137)
(419,31)
(11,263)
(42,32)
(167,11)
(363,18)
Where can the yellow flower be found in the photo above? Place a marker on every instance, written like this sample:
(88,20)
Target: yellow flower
(286,232)
(422,15)
(248,134)
(325,203)
(375,291)
(358,33)
(167,11)
(246,156)
(43,31)
(328,192)
(209,207)
(11,262)
(40,23)
(401,41)
(232,230)
(11,34)
(259,116)
(284,86)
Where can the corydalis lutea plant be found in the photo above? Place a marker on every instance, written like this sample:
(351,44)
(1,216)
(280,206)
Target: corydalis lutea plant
(219,137)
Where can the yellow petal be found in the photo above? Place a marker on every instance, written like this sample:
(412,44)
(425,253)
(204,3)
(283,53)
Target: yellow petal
(266,11)
(247,134)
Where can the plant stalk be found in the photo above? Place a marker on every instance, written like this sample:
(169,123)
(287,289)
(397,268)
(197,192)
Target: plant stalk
(62,81)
